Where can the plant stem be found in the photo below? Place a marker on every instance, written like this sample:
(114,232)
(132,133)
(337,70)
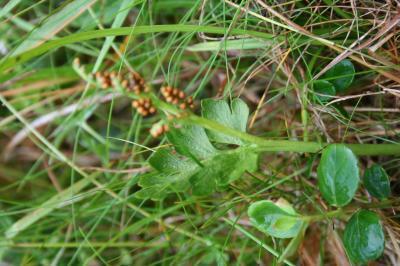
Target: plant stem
(323,216)
(350,209)
(289,145)
(388,203)
(262,145)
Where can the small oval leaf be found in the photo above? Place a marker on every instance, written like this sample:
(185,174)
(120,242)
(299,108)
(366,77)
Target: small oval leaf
(363,237)
(278,220)
(377,182)
(338,175)
(323,91)
(341,75)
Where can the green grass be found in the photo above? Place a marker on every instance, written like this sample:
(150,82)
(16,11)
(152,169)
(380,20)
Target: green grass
(67,194)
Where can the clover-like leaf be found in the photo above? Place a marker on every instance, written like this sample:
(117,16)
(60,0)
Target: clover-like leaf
(275,219)
(234,116)
(164,160)
(363,237)
(323,91)
(223,169)
(197,164)
(338,175)
(341,75)
(377,182)
(171,175)
(156,186)
(191,141)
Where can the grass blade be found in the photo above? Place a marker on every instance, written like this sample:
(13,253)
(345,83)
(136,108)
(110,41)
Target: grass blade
(57,201)
(242,44)
(8,7)
(53,24)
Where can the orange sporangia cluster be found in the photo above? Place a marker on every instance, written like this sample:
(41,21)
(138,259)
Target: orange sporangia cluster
(144,106)
(132,83)
(177,97)
(105,78)
(135,83)
(157,130)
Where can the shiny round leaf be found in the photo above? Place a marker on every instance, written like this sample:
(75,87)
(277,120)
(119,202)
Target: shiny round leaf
(377,182)
(338,175)
(341,75)
(323,91)
(363,237)
(275,219)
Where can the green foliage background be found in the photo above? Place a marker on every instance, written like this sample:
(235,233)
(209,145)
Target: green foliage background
(76,159)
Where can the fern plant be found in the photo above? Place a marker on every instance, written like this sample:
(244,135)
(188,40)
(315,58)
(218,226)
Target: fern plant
(205,161)
(202,160)
(205,154)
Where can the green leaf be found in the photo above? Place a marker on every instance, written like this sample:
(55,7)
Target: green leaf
(323,91)
(234,116)
(338,174)
(191,141)
(341,75)
(171,175)
(177,174)
(164,160)
(363,237)
(377,182)
(275,219)
(222,169)
(197,164)
(156,186)
(204,182)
